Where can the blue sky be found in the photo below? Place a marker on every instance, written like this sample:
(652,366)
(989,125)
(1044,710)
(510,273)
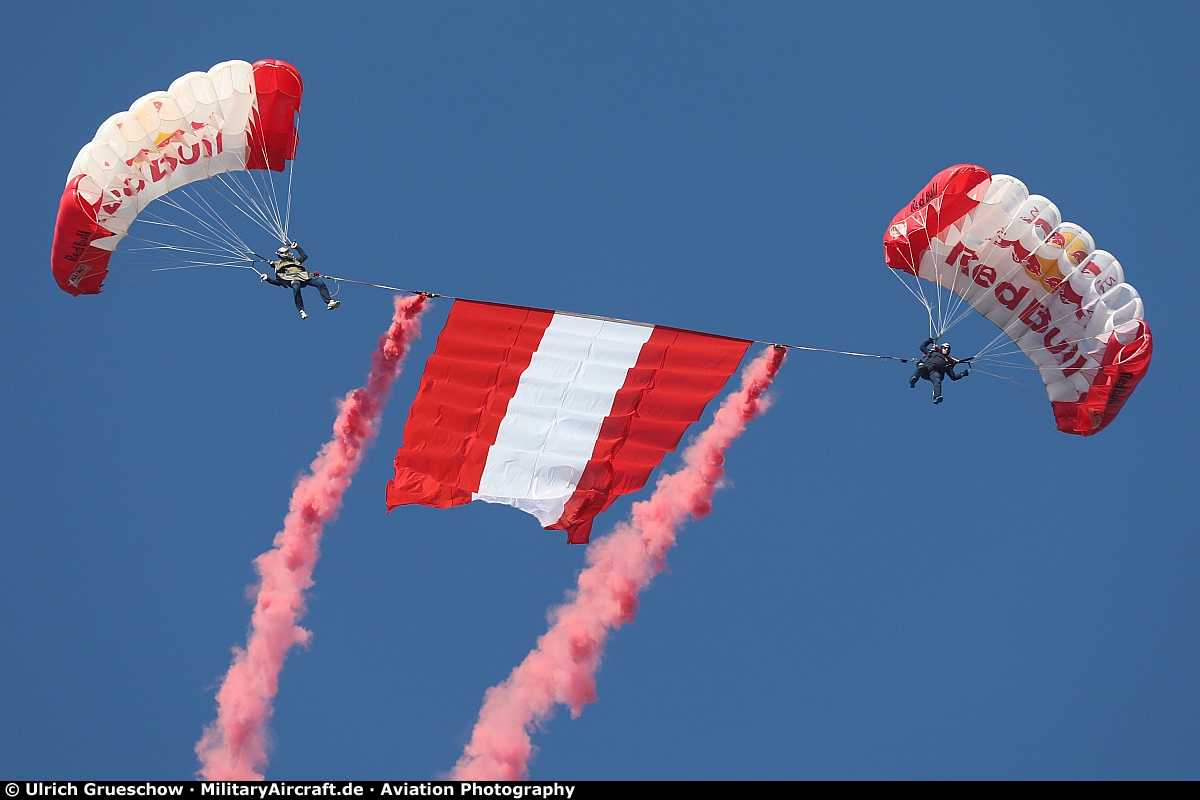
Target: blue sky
(885,590)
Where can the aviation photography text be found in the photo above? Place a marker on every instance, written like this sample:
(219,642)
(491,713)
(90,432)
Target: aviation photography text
(254,789)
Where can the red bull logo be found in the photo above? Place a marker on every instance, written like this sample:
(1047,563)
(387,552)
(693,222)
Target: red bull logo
(1123,388)
(1068,296)
(80,243)
(152,166)
(924,198)
(1035,314)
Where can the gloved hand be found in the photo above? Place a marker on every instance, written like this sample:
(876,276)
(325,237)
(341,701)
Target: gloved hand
(262,277)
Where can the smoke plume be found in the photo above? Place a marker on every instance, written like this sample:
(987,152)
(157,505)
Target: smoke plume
(233,746)
(562,667)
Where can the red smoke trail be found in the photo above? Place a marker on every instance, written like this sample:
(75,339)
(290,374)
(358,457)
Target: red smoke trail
(562,667)
(233,746)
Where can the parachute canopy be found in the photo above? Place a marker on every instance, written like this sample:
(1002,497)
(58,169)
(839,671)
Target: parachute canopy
(1009,255)
(235,117)
(555,414)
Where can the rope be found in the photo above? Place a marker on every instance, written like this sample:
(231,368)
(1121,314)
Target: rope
(611,319)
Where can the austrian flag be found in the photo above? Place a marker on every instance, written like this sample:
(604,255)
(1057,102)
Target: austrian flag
(555,414)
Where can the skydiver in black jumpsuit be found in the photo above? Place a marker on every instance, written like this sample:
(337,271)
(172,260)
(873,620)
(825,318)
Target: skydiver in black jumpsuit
(934,365)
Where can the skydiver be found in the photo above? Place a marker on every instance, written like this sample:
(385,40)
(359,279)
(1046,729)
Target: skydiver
(935,364)
(289,271)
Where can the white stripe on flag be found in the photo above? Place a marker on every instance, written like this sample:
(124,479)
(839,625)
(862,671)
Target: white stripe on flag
(549,431)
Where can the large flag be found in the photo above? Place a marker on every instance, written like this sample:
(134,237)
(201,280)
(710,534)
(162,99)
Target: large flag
(555,414)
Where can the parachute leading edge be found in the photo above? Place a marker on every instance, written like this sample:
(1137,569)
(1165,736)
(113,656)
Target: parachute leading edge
(237,116)
(1010,256)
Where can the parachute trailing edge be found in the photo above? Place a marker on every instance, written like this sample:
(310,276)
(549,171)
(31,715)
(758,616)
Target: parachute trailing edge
(236,116)
(1009,255)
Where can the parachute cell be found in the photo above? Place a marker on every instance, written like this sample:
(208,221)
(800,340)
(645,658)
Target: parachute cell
(235,117)
(1009,255)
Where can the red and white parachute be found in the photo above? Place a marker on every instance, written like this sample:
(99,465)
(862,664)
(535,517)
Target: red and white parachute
(221,123)
(1008,255)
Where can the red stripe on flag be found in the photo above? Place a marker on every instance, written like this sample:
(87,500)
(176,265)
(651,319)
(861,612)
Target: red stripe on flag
(676,374)
(468,383)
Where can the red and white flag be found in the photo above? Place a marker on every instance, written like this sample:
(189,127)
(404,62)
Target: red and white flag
(555,414)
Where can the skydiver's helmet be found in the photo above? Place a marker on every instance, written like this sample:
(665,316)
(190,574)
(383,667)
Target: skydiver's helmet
(945,347)
(284,252)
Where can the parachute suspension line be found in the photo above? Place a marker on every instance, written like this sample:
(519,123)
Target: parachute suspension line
(269,184)
(999,362)
(197,264)
(261,215)
(919,291)
(287,213)
(275,206)
(217,243)
(214,249)
(237,188)
(211,234)
(934,215)
(270,199)
(949,307)
(990,356)
(962,310)
(956,312)
(219,227)
(920,297)
(130,275)
(262,206)
(959,309)
(993,352)
(930,302)
(951,311)
(1037,400)
(269,189)
(940,292)
(191,250)
(219,234)
(1004,332)
(217,217)
(267,208)
(287,216)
